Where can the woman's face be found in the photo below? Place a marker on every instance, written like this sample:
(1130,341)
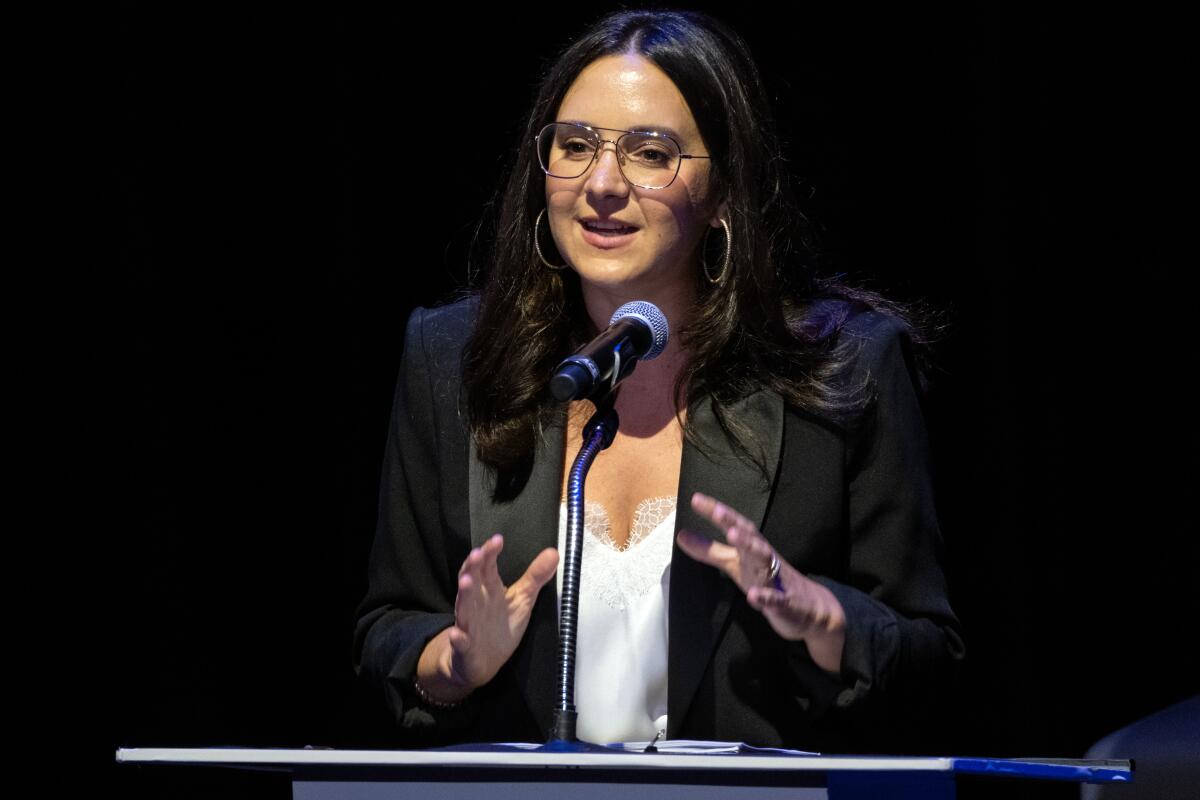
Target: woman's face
(628,92)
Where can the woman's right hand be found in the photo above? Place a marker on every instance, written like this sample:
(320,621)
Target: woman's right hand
(490,619)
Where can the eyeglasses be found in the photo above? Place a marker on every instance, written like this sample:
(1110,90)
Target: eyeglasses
(647,159)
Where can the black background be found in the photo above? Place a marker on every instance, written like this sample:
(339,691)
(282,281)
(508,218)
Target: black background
(279,202)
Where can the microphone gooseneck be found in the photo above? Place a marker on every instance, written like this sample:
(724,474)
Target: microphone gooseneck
(637,330)
(598,434)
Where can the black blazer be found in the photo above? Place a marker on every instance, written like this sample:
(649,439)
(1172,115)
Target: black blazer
(849,505)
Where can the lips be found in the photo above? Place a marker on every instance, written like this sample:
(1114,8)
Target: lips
(607,226)
(607,234)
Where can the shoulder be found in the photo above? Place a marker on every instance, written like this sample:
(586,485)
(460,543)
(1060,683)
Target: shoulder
(433,345)
(881,368)
(862,337)
(876,338)
(444,325)
(439,334)
(869,355)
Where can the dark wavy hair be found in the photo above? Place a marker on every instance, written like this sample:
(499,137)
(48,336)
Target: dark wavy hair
(768,323)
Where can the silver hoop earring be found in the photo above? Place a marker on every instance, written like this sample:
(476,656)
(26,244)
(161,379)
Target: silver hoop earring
(724,261)
(538,247)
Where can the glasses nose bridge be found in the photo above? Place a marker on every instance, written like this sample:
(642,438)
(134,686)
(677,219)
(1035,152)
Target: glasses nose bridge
(600,149)
(616,150)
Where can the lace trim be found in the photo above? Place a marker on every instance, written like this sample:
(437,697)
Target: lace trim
(648,515)
(616,576)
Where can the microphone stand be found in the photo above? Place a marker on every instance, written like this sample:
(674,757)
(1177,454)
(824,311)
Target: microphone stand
(598,434)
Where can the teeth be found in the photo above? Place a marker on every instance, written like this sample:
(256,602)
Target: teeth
(607,226)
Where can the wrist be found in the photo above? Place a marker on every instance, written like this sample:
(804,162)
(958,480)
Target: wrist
(429,699)
(827,640)
(826,651)
(434,680)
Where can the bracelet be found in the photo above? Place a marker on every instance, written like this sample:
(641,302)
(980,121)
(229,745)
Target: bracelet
(428,699)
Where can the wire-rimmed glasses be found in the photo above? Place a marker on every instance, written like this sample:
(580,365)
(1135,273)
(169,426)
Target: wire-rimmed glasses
(647,159)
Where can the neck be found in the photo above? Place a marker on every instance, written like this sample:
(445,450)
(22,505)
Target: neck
(650,389)
(675,302)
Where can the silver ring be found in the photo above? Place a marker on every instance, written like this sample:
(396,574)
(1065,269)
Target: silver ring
(773,572)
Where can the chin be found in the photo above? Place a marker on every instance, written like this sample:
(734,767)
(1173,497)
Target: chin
(610,275)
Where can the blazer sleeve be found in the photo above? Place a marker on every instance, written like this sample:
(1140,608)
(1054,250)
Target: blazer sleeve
(410,595)
(903,643)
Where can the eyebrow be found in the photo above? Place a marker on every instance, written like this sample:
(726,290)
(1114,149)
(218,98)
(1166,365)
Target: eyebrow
(638,128)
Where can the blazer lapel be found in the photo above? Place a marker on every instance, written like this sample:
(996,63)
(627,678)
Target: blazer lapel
(701,596)
(529,523)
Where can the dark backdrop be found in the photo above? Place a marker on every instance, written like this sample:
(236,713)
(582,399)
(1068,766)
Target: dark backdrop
(280,199)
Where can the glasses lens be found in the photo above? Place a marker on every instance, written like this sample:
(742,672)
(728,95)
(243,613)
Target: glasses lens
(647,160)
(566,151)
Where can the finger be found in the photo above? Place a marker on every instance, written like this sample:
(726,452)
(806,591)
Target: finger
(471,562)
(705,550)
(755,554)
(491,554)
(725,517)
(717,511)
(764,598)
(465,601)
(539,572)
(470,593)
(752,546)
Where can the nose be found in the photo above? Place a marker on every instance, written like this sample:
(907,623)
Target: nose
(606,177)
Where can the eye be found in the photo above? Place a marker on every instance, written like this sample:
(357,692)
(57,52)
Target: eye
(577,147)
(652,155)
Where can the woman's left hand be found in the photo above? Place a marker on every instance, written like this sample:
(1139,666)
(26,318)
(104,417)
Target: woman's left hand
(796,606)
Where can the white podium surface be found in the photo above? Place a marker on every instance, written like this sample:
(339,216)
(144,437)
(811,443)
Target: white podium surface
(319,774)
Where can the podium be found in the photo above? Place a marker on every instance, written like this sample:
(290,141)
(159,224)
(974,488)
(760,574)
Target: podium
(501,774)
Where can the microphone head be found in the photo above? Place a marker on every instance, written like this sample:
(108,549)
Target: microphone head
(654,319)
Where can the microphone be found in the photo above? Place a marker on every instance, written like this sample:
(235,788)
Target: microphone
(637,331)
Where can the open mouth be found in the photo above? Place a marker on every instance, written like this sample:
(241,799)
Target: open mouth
(607,229)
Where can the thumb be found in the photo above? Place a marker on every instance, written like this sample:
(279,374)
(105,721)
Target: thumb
(698,547)
(459,640)
(540,570)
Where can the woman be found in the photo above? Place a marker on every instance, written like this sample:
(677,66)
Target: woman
(779,434)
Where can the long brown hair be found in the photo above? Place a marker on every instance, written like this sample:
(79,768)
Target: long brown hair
(770,322)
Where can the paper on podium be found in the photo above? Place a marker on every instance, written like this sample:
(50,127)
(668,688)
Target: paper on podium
(668,746)
(696,746)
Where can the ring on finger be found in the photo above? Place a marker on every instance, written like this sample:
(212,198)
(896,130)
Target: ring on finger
(773,573)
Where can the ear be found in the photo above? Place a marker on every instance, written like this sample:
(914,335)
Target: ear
(722,213)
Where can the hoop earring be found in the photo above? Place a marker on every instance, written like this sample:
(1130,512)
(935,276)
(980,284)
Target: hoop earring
(724,261)
(538,247)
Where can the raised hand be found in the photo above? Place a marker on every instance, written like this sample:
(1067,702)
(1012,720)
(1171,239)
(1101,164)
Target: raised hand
(796,606)
(490,619)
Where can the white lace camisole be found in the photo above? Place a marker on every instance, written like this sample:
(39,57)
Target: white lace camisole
(621,653)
